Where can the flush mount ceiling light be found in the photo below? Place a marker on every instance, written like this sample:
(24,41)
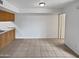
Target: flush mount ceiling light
(42,4)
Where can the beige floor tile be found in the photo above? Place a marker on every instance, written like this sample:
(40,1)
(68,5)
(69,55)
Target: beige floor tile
(37,48)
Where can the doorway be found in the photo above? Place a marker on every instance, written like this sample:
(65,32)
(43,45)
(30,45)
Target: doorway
(61,26)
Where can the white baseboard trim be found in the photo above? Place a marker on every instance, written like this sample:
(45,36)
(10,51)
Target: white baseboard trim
(73,49)
(35,38)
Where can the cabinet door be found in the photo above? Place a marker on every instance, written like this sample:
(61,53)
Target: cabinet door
(6,16)
(10,36)
(7,37)
(13,34)
(2,41)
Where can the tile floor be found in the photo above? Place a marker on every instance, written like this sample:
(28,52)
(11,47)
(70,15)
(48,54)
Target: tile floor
(37,48)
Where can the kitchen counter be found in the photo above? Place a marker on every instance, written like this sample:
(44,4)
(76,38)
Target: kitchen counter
(6,30)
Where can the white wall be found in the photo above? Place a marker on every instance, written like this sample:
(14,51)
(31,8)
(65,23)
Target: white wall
(72,27)
(36,10)
(41,10)
(36,26)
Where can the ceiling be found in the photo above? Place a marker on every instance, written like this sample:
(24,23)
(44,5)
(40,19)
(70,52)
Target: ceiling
(24,4)
(32,6)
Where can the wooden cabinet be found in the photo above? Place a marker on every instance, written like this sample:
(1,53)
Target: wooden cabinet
(7,38)
(6,16)
(2,40)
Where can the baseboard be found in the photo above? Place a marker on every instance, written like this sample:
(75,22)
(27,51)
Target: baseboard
(35,38)
(75,52)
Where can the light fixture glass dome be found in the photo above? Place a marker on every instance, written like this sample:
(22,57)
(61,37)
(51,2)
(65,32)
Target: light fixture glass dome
(42,4)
